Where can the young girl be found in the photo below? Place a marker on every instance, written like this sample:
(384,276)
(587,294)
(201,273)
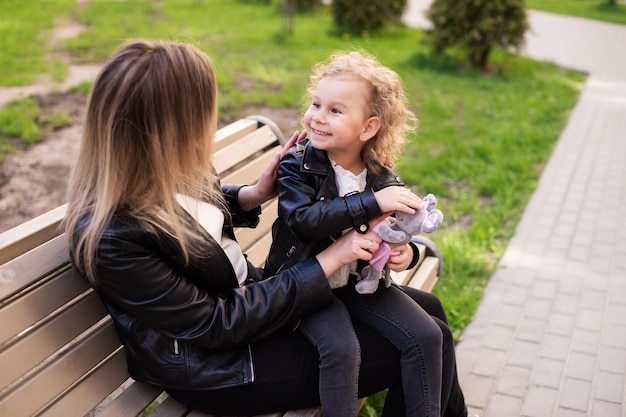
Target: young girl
(336,180)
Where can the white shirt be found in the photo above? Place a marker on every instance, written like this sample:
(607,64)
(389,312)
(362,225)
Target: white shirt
(347,183)
(211,219)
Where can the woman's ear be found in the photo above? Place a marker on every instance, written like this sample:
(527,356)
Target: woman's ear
(371,127)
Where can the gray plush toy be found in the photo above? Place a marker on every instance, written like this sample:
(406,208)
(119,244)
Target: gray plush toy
(396,231)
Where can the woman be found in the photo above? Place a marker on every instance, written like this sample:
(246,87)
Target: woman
(152,231)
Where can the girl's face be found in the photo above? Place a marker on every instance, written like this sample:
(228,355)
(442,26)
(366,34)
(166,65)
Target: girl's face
(339,118)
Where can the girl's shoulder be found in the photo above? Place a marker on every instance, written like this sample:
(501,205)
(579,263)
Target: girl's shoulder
(384,176)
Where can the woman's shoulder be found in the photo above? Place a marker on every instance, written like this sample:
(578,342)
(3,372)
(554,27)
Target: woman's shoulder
(121,226)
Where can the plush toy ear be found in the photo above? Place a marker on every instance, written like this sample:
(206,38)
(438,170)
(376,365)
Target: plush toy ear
(371,127)
(432,221)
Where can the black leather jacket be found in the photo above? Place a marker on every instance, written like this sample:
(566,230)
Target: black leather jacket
(310,212)
(188,326)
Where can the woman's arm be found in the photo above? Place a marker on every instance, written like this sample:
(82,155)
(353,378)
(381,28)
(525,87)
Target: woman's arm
(136,274)
(143,282)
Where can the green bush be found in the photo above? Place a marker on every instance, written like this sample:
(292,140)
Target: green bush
(476,27)
(362,17)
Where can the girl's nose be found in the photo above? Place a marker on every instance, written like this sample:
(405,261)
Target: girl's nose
(319,117)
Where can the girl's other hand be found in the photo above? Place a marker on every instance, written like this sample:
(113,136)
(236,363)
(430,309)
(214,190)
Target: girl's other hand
(400,257)
(394,198)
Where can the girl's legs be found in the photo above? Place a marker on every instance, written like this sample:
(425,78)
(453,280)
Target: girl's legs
(397,317)
(286,376)
(330,331)
(452,399)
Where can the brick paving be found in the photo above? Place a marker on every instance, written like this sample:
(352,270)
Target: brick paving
(549,337)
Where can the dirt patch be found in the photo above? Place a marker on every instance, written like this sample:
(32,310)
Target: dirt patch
(34,181)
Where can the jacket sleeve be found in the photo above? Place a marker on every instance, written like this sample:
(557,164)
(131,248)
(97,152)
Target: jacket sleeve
(312,216)
(142,281)
(240,218)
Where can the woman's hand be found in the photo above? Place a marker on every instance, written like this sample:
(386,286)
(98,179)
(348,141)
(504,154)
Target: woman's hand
(265,189)
(348,248)
(400,257)
(398,199)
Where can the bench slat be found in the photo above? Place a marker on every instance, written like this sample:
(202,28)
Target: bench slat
(50,379)
(234,131)
(30,234)
(79,399)
(134,398)
(44,340)
(32,306)
(232,155)
(426,276)
(22,270)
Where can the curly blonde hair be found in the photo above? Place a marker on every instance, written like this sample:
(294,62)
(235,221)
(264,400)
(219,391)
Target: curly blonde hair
(388,102)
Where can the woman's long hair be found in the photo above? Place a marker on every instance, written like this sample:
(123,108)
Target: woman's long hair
(148,135)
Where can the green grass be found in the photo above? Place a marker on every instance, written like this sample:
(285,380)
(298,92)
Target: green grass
(25,48)
(482,142)
(589,9)
(22,125)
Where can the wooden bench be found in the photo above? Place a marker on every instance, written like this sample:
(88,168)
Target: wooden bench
(59,353)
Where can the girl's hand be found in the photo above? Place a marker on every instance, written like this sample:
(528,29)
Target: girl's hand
(265,188)
(394,198)
(400,257)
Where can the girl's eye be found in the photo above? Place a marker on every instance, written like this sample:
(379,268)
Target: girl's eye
(336,111)
(316,105)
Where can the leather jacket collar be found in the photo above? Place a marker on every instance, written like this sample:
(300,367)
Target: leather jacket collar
(316,161)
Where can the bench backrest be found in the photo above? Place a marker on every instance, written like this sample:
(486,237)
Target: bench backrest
(59,353)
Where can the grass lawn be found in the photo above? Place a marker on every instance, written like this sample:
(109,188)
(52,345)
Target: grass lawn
(588,9)
(483,139)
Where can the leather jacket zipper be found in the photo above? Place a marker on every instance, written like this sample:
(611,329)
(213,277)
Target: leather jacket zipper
(176,350)
(251,365)
(289,253)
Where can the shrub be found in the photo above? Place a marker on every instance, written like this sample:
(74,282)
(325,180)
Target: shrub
(361,17)
(476,27)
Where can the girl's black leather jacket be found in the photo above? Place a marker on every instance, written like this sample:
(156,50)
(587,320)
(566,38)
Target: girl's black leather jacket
(311,214)
(188,326)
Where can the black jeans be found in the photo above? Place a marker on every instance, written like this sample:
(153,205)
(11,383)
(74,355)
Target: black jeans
(330,331)
(392,313)
(452,399)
